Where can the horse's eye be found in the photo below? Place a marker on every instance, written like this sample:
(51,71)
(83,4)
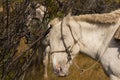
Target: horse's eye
(50,25)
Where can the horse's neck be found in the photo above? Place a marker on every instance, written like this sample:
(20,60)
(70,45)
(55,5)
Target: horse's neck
(95,38)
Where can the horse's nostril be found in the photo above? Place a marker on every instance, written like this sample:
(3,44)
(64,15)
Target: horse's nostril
(60,69)
(57,71)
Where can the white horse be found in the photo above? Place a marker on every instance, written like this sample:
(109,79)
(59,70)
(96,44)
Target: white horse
(91,34)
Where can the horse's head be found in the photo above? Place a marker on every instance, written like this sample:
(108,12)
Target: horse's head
(61,42)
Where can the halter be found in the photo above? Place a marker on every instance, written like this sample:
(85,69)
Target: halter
(62,51)
(67,49)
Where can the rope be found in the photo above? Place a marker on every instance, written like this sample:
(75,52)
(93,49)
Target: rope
(85,70)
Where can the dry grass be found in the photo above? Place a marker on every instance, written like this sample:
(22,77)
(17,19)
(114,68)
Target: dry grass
(22,47)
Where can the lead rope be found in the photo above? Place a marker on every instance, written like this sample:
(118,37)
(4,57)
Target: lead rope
(87,69)
(93,65)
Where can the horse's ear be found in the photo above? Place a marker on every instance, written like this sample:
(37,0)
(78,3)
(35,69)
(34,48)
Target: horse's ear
(69,14)
(50,26)
(54,21)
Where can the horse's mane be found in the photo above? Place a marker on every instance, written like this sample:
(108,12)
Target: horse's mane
(105,18)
